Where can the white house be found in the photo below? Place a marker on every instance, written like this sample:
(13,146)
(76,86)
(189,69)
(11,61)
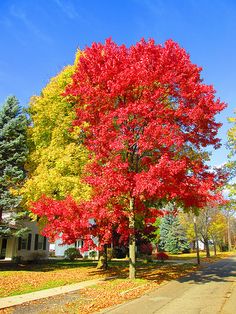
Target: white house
(32,246)
(60,248)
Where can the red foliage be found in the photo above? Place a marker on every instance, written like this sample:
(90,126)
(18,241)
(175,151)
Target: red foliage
(148,116)
(162,256)
(146,248)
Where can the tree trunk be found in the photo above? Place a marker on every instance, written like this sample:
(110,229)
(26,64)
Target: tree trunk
(105,257)
(214,243)
(229,234)
(132,241)
(102,263)
(196,241)
(206,244)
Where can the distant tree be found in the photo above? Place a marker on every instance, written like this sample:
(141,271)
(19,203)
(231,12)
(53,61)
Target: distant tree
(233,223)
(211,226)
(230,208)
(231,164)
(211,223)
(173,238)
(217,228)
(229,212)
(13,154)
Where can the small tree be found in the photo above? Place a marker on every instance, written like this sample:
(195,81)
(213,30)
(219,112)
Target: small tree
(172,235)
(13,153)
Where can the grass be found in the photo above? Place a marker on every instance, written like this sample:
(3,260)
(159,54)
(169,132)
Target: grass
(32,288)
(193,255)
(28,278)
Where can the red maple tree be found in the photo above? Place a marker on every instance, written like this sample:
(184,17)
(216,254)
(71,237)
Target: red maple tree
(147,116)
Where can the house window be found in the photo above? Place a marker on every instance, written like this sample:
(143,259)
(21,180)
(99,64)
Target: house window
(40,242)
(29,241)
(36,242)
(44,243)
(3,249)
(19,243)
(23,243)
(79,244)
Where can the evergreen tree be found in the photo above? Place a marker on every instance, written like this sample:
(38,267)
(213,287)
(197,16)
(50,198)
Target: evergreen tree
(172,235)
(13,152)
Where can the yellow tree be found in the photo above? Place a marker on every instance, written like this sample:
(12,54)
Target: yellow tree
(186,220)
(232,144)
(57,159)
(217,228)
(230,208)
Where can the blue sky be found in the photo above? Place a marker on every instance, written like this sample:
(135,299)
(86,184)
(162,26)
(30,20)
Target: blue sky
(38,38)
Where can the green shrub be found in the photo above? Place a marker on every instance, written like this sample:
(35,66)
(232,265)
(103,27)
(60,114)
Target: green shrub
(16,259)
(71,253)
(37,257)
(93,254)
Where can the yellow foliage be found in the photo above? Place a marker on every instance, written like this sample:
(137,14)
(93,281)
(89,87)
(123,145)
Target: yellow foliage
(57,159)
(186,221)
(218,226)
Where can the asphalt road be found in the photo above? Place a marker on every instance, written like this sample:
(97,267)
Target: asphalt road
(209,291)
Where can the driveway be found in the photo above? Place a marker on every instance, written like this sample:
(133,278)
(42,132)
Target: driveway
(209,291)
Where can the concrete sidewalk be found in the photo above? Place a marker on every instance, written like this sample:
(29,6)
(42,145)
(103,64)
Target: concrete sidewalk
(37,295)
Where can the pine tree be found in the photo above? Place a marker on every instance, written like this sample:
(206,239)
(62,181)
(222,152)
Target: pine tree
(13,152)
(172,235)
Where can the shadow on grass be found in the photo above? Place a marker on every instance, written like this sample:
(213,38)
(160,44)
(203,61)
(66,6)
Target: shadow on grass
(156,272)
(116,268)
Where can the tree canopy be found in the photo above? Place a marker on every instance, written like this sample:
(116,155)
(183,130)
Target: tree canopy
(146,116)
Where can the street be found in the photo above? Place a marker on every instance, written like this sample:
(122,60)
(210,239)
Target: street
(209,291)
